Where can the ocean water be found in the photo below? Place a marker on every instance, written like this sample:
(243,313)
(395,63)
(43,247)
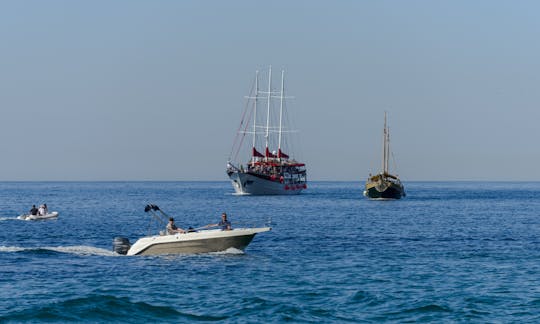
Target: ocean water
(449,252)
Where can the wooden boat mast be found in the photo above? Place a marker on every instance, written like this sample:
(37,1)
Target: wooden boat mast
(386,149)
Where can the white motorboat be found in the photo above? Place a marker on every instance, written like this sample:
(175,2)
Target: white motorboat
(50,215)
(205,241)
(193,241)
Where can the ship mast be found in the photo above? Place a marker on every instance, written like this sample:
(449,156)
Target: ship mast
(280,112)
(268,110)
(385,147)
(255,115)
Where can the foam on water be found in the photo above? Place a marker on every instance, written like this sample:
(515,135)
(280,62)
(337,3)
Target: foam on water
(12,249)
(229,251)
(82,250)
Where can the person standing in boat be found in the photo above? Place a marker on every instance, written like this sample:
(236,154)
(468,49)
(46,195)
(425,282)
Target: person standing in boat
(45,209)
(41,210)
(224,223)
(172,228)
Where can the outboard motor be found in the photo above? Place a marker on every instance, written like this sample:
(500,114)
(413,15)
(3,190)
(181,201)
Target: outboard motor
(121,245)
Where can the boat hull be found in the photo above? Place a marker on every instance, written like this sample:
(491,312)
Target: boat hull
(388,191)
(51,215)
(195,242)
(249,184)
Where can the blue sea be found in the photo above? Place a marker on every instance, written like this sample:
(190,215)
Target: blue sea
(448,252)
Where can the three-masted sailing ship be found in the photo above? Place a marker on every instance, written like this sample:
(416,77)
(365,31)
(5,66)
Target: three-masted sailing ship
(384,185)
(273,172)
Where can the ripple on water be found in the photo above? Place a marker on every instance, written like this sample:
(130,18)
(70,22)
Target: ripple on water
(96,308)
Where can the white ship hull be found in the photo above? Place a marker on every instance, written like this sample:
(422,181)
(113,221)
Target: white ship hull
(248,184)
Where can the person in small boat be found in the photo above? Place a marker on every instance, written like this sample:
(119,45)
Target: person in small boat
(172,228)
(41,211)
(224,223)
(34,210)
(45,210)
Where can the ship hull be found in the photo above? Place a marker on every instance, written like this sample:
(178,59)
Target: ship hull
(389,191)
(250,184)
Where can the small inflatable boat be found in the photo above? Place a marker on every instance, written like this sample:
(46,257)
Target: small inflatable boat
(38,217)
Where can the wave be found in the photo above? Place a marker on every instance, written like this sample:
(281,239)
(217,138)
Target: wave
(101,308)
(77,250)
(431,308)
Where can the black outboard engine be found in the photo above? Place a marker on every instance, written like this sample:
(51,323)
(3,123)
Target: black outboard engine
(121,245)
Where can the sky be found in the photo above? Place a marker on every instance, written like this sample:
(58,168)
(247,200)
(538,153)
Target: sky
(154,90)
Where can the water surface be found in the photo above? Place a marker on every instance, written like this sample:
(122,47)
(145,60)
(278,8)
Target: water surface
(457,251)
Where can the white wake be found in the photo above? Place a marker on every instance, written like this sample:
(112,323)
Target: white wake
(77,250)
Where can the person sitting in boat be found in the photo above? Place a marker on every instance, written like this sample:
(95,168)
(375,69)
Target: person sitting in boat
(224,223)
(172,228)
(41,211)
(34,210)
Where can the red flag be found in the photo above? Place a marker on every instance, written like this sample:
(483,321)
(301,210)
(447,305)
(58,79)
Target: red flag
(282,155)
(256,153)
(268,154)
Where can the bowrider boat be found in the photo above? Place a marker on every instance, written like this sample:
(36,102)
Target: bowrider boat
(50,215)
(193,241)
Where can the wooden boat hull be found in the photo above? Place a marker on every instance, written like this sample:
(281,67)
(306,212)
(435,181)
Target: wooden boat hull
(389,190)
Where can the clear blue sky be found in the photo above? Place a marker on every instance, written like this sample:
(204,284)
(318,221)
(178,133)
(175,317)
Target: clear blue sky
(153,90)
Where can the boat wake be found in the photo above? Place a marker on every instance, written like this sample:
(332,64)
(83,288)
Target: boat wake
(228,251)
(7,218)
(83,250)
(77,250)
(18,218)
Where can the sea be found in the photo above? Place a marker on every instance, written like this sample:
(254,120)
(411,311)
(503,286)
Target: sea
(448,252)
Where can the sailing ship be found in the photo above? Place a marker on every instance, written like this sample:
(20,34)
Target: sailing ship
(274,172)
(384,185)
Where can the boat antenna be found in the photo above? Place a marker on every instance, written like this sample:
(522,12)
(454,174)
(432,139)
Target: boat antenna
(151,208)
